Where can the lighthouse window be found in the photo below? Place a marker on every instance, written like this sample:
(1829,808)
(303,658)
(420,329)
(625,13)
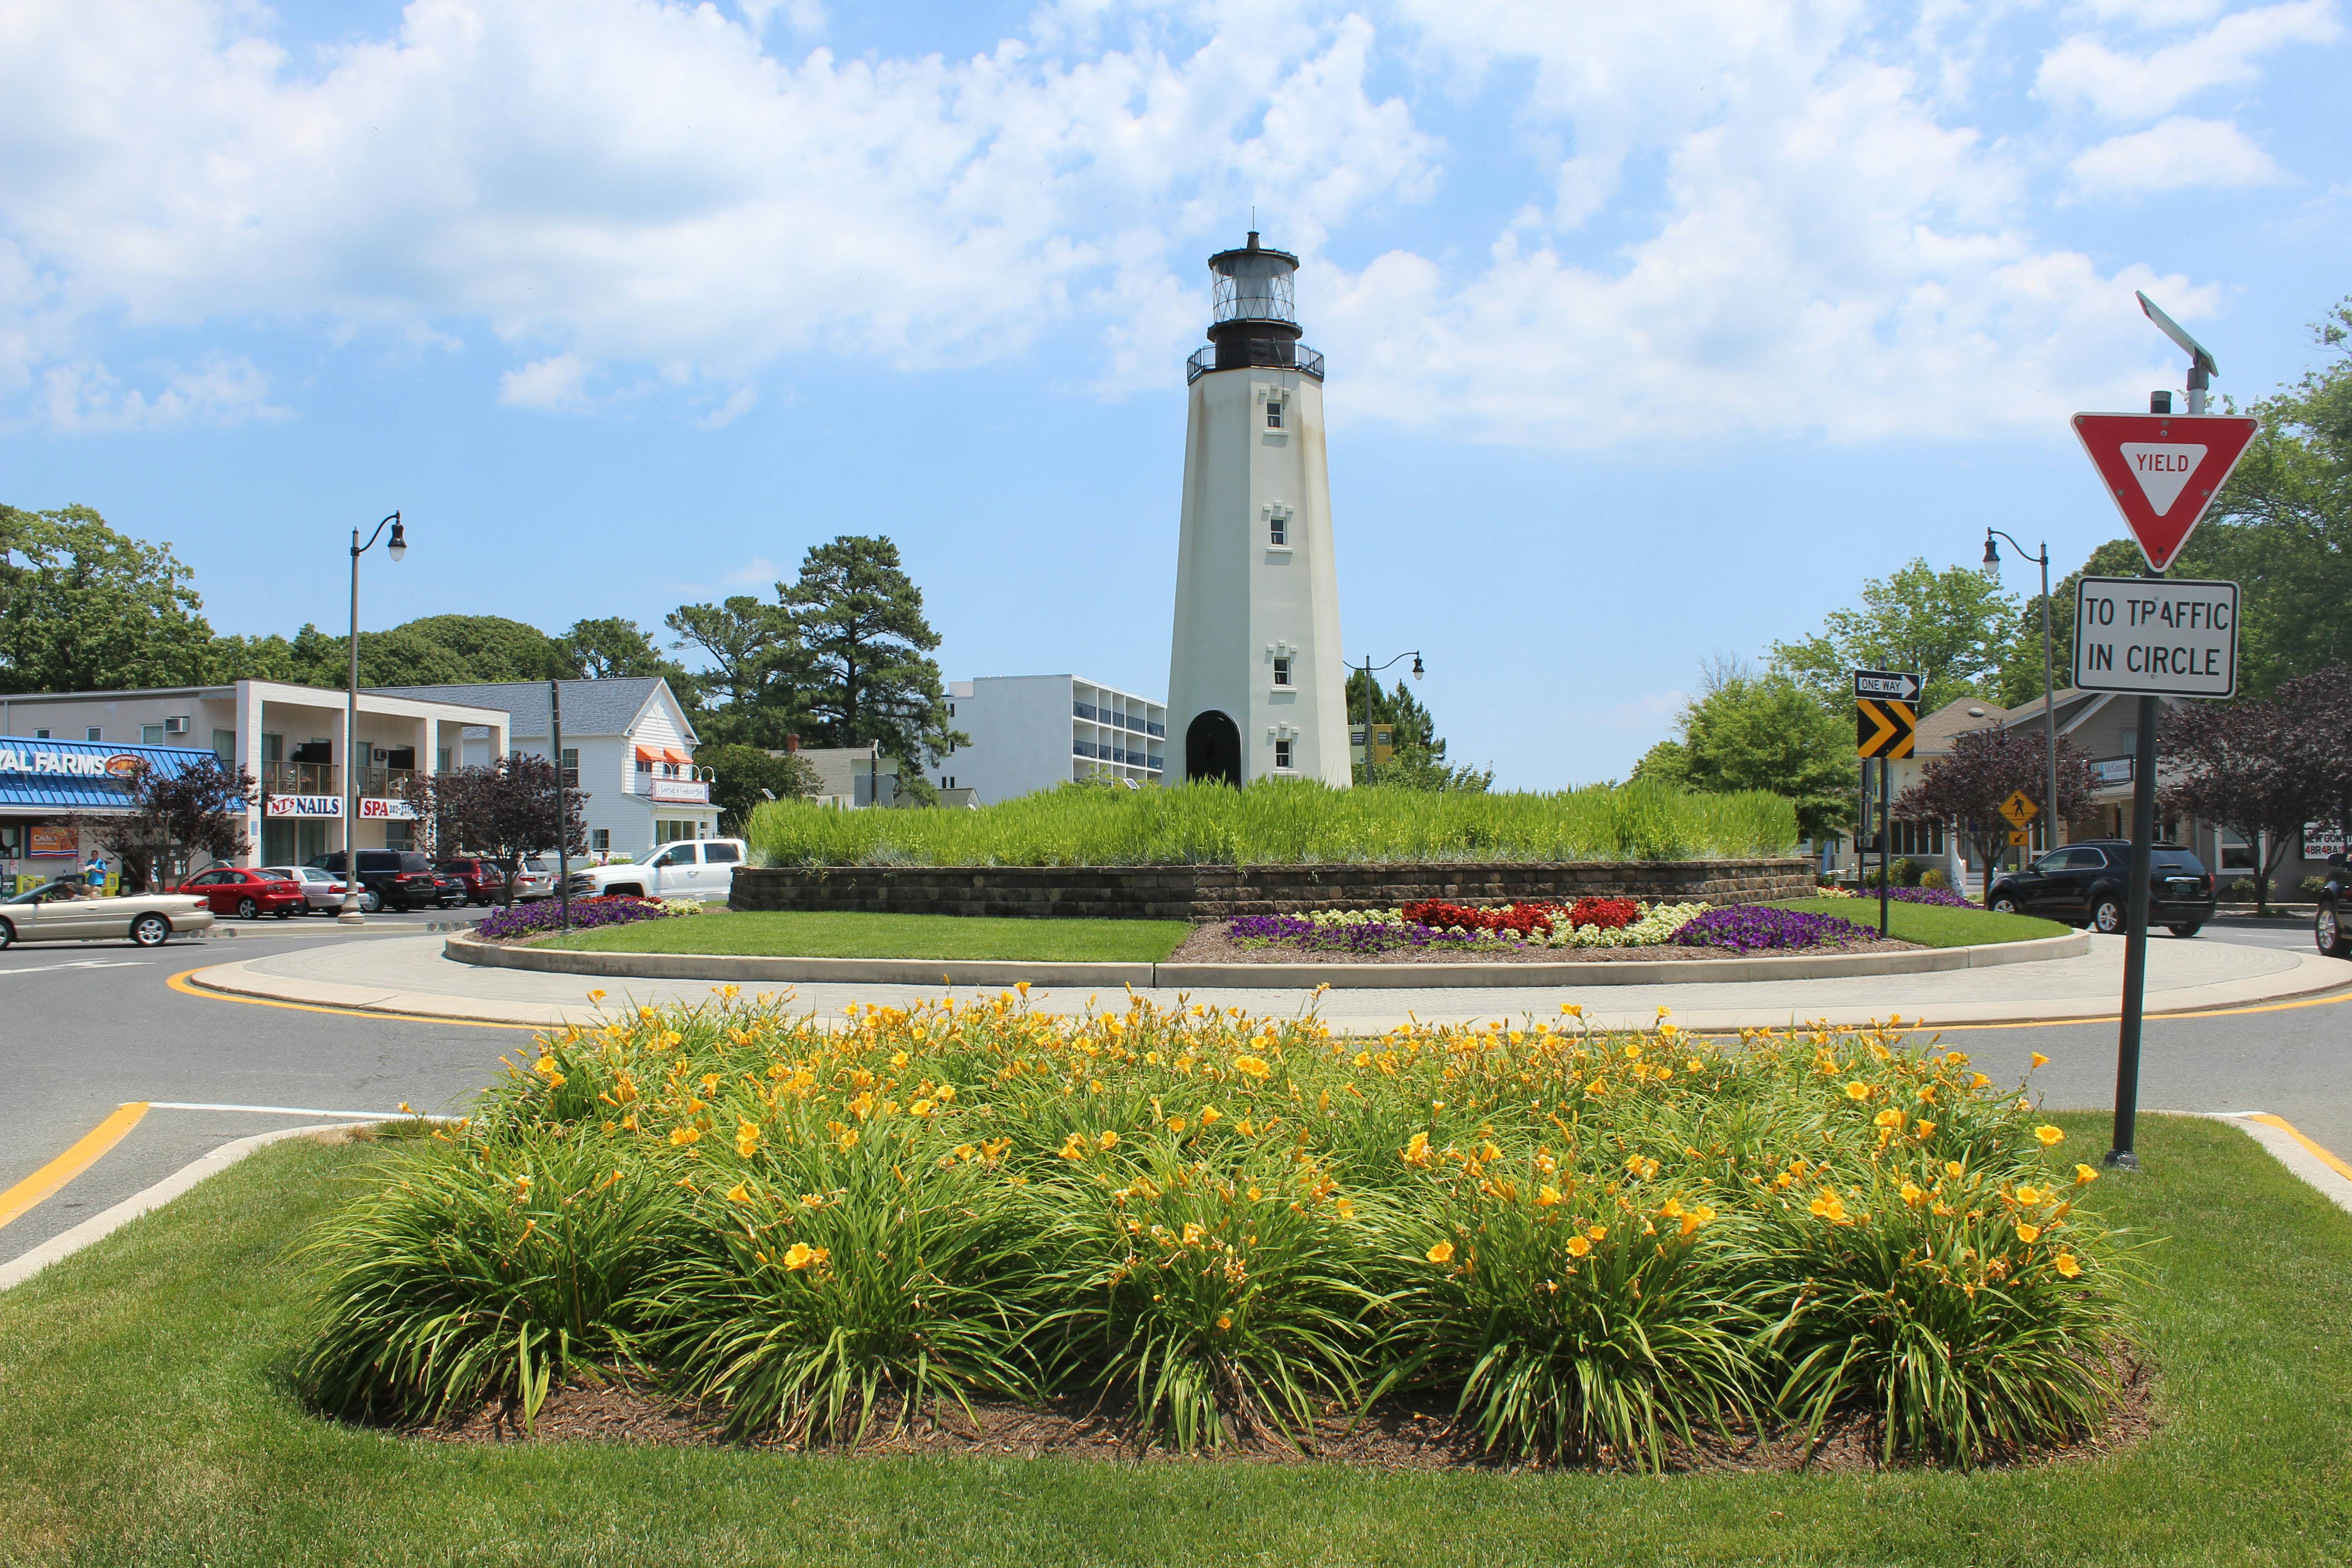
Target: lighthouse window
(1282,672)
(1278,531)
(1282,754)
(1274,414)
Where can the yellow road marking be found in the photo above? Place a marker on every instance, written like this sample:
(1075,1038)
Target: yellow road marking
(85,1153)
(2283,1125)
(2333,999)
(181,983)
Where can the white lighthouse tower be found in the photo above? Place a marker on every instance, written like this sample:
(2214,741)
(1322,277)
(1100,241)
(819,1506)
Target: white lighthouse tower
(1256,685)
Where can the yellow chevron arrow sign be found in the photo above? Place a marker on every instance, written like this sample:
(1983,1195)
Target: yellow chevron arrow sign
(1882,727)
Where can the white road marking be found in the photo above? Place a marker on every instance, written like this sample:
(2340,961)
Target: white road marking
(85,963)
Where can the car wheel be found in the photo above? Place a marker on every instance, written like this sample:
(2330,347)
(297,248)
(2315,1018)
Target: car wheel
(626,891)
(247,910)
(7,934)
(2002,904)
(2186,927)
(371,902)
(2108,916)
(2328,932)
(148,931)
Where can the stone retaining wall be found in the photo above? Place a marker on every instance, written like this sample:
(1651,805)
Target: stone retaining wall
(1222,893)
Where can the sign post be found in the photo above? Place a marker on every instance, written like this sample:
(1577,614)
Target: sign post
(1885,718)
(2152,637)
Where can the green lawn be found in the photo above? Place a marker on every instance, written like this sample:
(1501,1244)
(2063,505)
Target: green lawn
(146,1417)
(893,936)
(1932,925)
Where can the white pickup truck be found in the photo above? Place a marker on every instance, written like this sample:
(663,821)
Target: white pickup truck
(690,869)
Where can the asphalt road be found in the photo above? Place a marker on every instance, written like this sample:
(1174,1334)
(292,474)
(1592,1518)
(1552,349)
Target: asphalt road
(89,1026)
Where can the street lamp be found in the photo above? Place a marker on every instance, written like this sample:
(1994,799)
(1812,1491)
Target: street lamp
(349,914)
(1370,691)
(2049,721)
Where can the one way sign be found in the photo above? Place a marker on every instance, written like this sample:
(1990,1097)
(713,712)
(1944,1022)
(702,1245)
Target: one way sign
(1899,685)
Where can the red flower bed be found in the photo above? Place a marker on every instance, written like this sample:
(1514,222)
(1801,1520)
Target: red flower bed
(1527,919)
(1609,914)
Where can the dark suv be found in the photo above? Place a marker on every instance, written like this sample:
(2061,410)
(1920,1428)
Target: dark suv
(2327,925)
(397,879)
(2088,884)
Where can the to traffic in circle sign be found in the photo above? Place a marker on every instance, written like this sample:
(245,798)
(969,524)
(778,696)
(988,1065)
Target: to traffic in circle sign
(2156,636)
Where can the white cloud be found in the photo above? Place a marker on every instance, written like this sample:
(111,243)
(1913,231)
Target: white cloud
(2126,87)
(1738,216)
(85,397)
(550,383)
(739,403)
(2179,153)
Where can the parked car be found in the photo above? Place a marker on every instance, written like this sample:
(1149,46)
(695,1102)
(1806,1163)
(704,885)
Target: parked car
(690,869)
(389,879)
(248,893)
(2089,884)
(2327,923)
(64,912)
(484,883)
(320,890)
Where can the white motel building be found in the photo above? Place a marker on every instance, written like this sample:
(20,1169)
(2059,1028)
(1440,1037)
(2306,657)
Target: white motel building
(289,738)
(1034,731)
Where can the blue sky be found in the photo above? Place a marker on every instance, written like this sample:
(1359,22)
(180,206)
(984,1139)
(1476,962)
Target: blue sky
(1653,330)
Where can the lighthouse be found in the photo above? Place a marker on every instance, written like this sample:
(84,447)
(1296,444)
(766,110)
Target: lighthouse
(1256,685)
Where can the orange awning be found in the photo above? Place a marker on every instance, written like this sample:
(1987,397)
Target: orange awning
(680,758)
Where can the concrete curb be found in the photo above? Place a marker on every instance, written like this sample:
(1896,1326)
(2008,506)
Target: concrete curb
(2289,1148)
(745,971)
(97,1226)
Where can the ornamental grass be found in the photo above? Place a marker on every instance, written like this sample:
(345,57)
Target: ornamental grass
(1282,822)
(1597,1247)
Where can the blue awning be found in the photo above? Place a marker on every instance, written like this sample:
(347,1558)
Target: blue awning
(79,775)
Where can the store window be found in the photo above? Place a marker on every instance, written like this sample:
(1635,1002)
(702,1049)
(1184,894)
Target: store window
(91,733)
(151,734)
(671,832)
(225,745)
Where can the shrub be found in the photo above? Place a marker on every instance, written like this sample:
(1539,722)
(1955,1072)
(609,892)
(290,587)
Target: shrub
(2312,887)
(2241,890)
(1588,1242)
(1283,822)
(1934,879)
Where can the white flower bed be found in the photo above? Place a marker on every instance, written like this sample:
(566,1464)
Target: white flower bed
(1655,924)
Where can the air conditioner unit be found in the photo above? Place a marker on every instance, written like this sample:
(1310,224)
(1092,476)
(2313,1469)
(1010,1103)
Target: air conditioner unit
(178,726)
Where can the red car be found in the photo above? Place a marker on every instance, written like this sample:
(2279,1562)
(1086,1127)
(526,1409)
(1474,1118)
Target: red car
(245,893)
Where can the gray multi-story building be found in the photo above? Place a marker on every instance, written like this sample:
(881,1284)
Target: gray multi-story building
(1034,731)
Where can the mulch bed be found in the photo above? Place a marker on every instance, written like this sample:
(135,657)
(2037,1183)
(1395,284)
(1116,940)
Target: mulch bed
(1213,943)
(1397,1434)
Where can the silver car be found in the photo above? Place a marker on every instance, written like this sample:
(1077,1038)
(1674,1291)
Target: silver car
(321,890)
(62,911)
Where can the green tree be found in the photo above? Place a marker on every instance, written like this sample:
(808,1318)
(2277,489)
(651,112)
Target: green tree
(861,620)
(2020,679)
(438,650)
(746,776)
(1751,731)
(1420,761)
(1951,627)
(750,694)
(84,608)
(610,647)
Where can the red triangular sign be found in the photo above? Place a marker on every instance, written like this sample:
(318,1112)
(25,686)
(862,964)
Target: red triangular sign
(2163,469)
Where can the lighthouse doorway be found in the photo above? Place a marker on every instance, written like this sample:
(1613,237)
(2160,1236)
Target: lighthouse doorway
(1212,750)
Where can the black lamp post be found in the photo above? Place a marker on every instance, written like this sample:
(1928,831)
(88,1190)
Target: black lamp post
(1370,691)
(2049,697)
(349,914)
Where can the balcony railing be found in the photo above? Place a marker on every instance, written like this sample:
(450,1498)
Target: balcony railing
(1082,710)
(301,778)
(1305,361)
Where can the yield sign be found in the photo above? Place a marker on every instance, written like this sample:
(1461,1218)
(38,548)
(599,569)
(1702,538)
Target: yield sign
(2163,469)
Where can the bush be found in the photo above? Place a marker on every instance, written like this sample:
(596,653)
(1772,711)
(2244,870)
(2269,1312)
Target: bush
(1934,879)
(2312,887)
(1590,1243)
(1283,822)
(2241,890)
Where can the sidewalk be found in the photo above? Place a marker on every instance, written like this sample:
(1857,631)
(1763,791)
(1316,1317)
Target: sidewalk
(408,975)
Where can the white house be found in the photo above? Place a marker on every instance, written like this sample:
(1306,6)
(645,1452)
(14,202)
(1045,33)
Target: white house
(1256,681)
(627,741)
(1034,731)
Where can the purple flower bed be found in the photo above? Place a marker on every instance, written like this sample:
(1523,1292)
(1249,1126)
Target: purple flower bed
(1369,936)
(547,915)
(1753,928)
(1943,898)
